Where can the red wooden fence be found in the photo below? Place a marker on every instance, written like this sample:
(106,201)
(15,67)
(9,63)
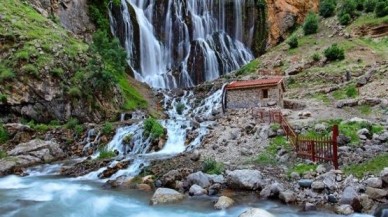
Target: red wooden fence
(320,149)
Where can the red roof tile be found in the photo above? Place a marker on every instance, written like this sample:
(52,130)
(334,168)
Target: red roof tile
(254,83)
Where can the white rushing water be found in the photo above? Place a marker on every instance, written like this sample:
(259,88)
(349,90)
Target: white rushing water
(193,33)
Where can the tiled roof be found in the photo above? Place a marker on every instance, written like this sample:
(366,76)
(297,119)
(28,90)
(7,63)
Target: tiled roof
(255,83)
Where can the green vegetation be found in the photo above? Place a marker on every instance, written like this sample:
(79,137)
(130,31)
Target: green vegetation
(349,91)
(269,155)
(73,124)
(293,42)
(370,5)
(334,52)
(5,73)
(301,169)
(345,19)
(365,109)
(249,68)
(346,11)
(316,57)
(381,9)
(58,72)
(107,128)
(180,107)
(153,128)
(127,139)
(359,4)
(310,25)
(323,98)
(275,127)
(74,92)
(327,8)
(3,154)
(211,166)
(3,98)
(106,154)
(372,166)
(3,134)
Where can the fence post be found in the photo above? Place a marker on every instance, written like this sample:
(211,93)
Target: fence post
(335,146)
(312,151)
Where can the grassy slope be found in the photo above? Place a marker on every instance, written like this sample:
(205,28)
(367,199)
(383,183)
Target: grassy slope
(44,50)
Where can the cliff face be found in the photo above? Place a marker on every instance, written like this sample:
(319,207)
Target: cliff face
(284,14)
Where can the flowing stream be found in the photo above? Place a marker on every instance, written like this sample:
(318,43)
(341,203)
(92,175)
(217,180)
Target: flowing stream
(55,196)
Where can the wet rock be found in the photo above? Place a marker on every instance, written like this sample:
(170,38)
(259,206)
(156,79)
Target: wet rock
(256,212)
(381,211)
(223,202)
(196,190)
(83,168)
(112,170)
(143,187)
(374,182)
(287,197)
(344,209)
(376,193)
(245,179)
(214,189)
(166,195)
(332,199)
(305,183)
(199,178)
(309,207)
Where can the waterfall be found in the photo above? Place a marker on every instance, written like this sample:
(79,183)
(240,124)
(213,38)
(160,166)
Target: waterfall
(179,43)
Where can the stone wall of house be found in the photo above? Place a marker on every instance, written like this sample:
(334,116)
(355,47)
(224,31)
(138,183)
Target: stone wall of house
(249,98)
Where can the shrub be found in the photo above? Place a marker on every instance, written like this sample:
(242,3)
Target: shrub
(71,123)
(345,19)
(78,129)
(107,128)
(334,53)
(3,134)
(310,25)
(327,8)
(211,166)
(153,128)
(5,73)
(30,69)
(369,5)
(351,91)
(58,72)
(293,42)
(3,98)
(381,9)
(106,154)
(74,92)
(347,7)
(180,107)
(316,57)
(359,4)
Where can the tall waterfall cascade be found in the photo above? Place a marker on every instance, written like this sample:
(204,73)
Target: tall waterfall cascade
(179,43)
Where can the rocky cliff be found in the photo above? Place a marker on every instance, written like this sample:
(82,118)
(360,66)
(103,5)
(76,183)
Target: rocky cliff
(285,14)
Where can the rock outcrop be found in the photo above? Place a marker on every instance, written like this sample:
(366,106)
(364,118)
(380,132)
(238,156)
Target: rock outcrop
(166,195)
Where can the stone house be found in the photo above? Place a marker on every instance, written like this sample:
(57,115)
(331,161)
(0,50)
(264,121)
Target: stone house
(254,93)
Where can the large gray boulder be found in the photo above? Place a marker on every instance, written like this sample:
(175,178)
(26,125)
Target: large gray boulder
(374,182)
(223,202)
(166,195)
(245,179)
(376,193)
(199,178)
(287,196)
(196,190)
(349,196)
(256,212)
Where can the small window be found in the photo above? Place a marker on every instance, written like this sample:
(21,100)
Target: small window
(265,94)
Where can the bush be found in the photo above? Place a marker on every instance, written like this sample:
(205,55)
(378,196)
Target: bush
(30,69)
(327,8)
(58,72)
(351,91)
(310,25)
(381,9)
(293,42)
(211,166)
(345,19)
(153,128)
(334,53)
(347,7)
(78,129)
(369,5)
(74,92)
(3,98)
(107,128)
(106,154)
(3,134)
(5,74)
(71,123)
(316,57)
(360,5)
(180,107)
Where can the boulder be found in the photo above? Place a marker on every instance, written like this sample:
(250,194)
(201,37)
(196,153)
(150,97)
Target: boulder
(108,172)
(376,193)
(318,185)
(320,169)
(309,207)
(287,197)
(166,195)
(169,179)
(195,156)
(344,209)
(383,137)
(256,212)
(374,182)
(349,196)
(245,179)
(36,145)
(214,189)
(272,191)
(366,202)
(216,178)
(384,175)
(196,190)
(143,187)
(199,178)
(320,127)
(223,202)
(305,183)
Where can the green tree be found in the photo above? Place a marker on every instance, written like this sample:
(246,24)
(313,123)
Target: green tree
(293,42)
(310,25)
(327,8)
(369,5)
(334,52)
(381,9)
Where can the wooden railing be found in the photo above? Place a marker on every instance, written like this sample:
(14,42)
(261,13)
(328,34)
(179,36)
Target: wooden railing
(319,149)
